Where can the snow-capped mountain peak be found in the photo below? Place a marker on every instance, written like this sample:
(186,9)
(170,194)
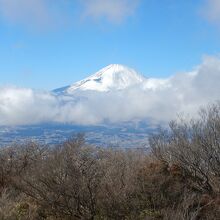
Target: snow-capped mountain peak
(112,77)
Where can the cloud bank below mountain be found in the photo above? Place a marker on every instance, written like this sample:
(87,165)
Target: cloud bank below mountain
(156,99)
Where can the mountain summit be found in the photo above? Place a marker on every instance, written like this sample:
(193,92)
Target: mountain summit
(112,77)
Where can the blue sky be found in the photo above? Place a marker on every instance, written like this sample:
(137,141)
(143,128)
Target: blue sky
(46,48)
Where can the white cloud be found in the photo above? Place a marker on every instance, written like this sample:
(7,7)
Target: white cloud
(160,100)
(113,10)
(43,14)
(29,12)
(24,106)
(211,10)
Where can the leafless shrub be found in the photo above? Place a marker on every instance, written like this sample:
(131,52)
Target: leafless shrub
(195,146)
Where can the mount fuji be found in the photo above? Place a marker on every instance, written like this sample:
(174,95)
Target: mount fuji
(112,77)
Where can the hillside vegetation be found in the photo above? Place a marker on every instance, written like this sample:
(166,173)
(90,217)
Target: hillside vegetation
(178,180)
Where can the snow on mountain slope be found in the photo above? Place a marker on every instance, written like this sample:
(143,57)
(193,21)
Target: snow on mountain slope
(112,77)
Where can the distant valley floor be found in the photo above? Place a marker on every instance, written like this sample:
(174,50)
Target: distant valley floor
(126,135)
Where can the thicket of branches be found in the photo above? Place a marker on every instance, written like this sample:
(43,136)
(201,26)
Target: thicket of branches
(179,179)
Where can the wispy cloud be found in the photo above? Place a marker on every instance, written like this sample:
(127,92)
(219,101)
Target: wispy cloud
(114,11)
(48,13)
(211,10)
(158,99)
(28,12)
